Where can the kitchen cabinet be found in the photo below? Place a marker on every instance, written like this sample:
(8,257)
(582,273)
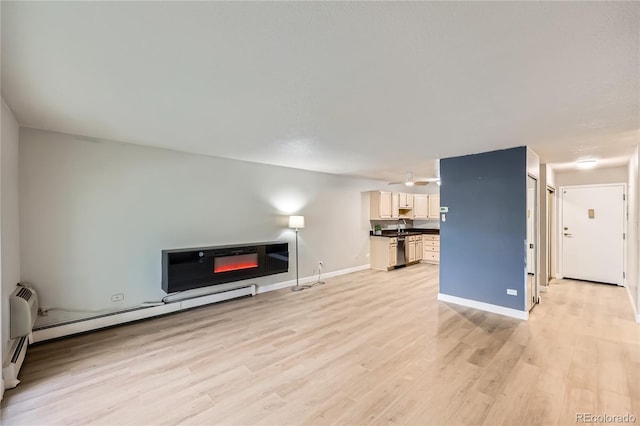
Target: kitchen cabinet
(411,252)
(434,206)
(383,252)
(405,206)
(406,201)
(414,248)
(431,248)
(393,252)
(420,206)
(395,205)
(380,205)
(411,249)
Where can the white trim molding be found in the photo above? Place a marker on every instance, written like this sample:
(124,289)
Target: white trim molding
(633,305)
(488,307)
(307,280)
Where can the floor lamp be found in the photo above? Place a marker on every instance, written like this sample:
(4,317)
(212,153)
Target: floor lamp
(297,222)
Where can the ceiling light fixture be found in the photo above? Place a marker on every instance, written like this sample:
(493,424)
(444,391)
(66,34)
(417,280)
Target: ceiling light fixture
(586,164)
(409,180)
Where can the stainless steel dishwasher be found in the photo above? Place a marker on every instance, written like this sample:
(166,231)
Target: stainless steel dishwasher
(402,257)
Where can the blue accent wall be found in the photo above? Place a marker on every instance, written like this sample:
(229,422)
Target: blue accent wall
(482,242)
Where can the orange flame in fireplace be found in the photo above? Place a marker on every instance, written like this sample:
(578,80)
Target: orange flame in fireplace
(235,266)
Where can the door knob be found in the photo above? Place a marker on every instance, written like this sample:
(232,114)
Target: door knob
(566,234)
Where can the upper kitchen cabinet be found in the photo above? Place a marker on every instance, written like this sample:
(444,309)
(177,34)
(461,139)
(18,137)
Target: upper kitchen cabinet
(380,205)
(399,205)
(406,201)
(395,205)
(420,206)
(405,209)
(434,206)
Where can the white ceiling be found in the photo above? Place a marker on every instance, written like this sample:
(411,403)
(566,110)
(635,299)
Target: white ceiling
(363,88)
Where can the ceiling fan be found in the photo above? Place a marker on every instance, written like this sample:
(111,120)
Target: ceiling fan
(410,181)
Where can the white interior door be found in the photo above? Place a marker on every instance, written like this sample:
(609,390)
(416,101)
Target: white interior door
(592,233)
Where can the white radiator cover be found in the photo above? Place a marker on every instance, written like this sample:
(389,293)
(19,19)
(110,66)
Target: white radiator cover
(15,358)
(23,311)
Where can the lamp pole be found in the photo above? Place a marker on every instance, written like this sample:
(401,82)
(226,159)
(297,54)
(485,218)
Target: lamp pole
(297,287)
(297,222)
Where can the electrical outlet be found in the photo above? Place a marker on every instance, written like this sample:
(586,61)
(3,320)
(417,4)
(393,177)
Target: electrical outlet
(512,292)
(118,297)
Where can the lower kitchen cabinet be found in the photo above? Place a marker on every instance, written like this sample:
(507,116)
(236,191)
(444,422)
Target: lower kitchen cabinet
(419,244)
(414,248)
(431,248)
(383,252)
(411,251)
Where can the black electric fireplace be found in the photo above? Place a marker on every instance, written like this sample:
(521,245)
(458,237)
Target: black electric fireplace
(185,269)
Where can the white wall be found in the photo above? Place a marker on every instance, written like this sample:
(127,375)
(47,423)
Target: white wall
(9,217)
(96,215)
(550,175)
(591,176)
(633,205)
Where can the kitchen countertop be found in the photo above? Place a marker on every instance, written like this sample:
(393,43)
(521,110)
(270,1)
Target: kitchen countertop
(414,231)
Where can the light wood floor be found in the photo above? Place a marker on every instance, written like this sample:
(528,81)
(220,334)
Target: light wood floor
(366,348)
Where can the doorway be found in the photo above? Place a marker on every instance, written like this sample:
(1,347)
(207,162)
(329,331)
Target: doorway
(592,235)
(532,242)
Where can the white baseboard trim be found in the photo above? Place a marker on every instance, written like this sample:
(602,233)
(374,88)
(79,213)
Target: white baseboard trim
(633,305)
(488,307)
(311,279)
(91,324)
(117,318)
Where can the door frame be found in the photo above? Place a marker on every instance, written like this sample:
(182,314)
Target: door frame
(536,245)
(559,229)
(550,193)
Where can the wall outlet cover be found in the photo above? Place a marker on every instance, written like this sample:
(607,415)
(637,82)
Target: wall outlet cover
(118,297)
(512,292)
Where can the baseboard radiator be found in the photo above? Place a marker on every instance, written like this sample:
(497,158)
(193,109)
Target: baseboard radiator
(23,311)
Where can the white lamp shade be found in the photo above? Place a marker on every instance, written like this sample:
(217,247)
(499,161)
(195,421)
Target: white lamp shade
(296,222)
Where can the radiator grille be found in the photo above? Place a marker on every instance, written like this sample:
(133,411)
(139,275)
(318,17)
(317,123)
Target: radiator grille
(16,353)
(24,293)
